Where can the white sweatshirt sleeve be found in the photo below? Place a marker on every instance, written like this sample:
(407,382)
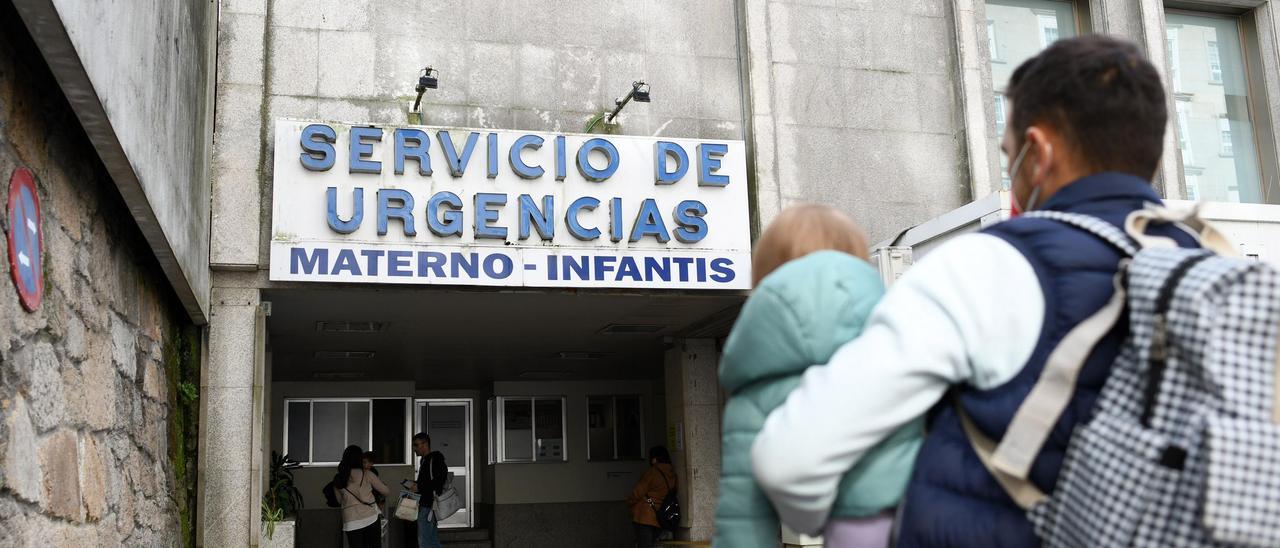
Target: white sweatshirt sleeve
(969,312)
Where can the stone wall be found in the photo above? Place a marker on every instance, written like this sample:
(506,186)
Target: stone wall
(84,402)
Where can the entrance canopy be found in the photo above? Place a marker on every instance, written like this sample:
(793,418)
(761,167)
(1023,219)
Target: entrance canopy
(461,338)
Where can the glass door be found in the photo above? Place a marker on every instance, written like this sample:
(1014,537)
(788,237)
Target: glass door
(448,422)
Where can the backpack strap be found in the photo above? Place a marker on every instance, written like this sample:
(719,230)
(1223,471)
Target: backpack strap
(1210,237)
(1021,490)
(1010,460)
(1093,225)
(1051,394)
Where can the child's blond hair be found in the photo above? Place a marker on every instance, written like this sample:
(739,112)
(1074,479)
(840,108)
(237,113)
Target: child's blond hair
(803,229)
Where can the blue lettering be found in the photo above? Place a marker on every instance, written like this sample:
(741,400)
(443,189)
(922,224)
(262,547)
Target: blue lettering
(571,218)
(560,160)
(723,271)
(492,172)
(398,263)
(627,268)
(552,273)
(485,215)
(318,155)
(361,150)
(346,262)
(371,260)
(701,269)
(318,263)
(470,265)
(452,223)
(504,266)
(683,264)
(649,223)
(709,156)
(588,171)
(430,260)
(662,151)
(655,270)
(541,219)
(402,210)
(357,210)
(522,169)
(604,264)
(457,164)
(412,143)
(573,267)
(615,219)
(692,227)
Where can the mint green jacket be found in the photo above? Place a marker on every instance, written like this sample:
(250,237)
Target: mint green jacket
(798,317)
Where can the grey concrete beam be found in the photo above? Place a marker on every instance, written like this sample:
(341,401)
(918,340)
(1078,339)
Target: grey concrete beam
(153,142)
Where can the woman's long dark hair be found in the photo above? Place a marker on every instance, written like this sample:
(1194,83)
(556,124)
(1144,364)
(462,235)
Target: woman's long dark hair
(351,460)
(660,453)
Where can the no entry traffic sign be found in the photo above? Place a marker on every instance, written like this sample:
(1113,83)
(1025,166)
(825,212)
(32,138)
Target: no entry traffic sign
(25,239)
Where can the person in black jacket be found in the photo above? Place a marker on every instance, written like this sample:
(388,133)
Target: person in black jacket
(432,473)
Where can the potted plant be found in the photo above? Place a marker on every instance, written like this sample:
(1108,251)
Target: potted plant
(280,504)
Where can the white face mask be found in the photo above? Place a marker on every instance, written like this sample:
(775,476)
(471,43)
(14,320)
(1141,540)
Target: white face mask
(1013,174)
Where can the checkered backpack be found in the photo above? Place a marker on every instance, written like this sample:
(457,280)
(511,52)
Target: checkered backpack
(1183,448)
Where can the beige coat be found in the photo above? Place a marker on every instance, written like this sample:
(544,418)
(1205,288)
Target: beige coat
(357,497)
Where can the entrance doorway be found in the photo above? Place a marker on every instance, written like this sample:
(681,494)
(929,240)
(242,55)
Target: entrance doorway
(449,423)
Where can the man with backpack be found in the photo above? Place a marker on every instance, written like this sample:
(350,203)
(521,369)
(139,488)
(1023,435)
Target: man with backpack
(1005,339)
(432,473)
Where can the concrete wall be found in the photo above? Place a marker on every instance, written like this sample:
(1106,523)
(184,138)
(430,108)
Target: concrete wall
(84,398)
(502,65)
(856,105)
(138,74)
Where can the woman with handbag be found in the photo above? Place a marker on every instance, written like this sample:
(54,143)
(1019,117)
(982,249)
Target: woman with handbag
(355,489)
(648,494)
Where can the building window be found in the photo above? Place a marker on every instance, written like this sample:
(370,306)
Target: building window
(1215,64)
(615,428)
(1000,119)
(1183,132)
(991,40)
(530,429)
(316,431)
(1211,83)
(1174,52)
(1224,131)
(1025,27)
(1048,29)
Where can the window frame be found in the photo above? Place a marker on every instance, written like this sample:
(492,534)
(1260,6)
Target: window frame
(613,401)
(1261,116)
(1215,62)
(499,437)
(366,445)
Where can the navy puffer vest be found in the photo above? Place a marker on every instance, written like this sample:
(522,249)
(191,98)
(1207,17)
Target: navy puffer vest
(952,500)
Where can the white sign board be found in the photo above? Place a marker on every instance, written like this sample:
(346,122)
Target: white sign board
(424,205)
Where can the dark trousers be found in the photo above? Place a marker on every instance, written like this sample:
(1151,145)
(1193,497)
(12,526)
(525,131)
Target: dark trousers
(368,537)
(646,535)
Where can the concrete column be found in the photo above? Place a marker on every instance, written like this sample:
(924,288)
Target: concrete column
(231,419)
(693,430)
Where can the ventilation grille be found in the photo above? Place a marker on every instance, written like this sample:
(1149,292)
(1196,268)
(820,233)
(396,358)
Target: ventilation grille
(339,375)
(344,354)
(631,329)
(350,327)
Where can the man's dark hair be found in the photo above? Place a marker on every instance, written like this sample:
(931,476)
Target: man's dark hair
(422,436)
(1103,96)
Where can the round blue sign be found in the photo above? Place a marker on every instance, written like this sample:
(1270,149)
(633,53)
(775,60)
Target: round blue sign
(25,237)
